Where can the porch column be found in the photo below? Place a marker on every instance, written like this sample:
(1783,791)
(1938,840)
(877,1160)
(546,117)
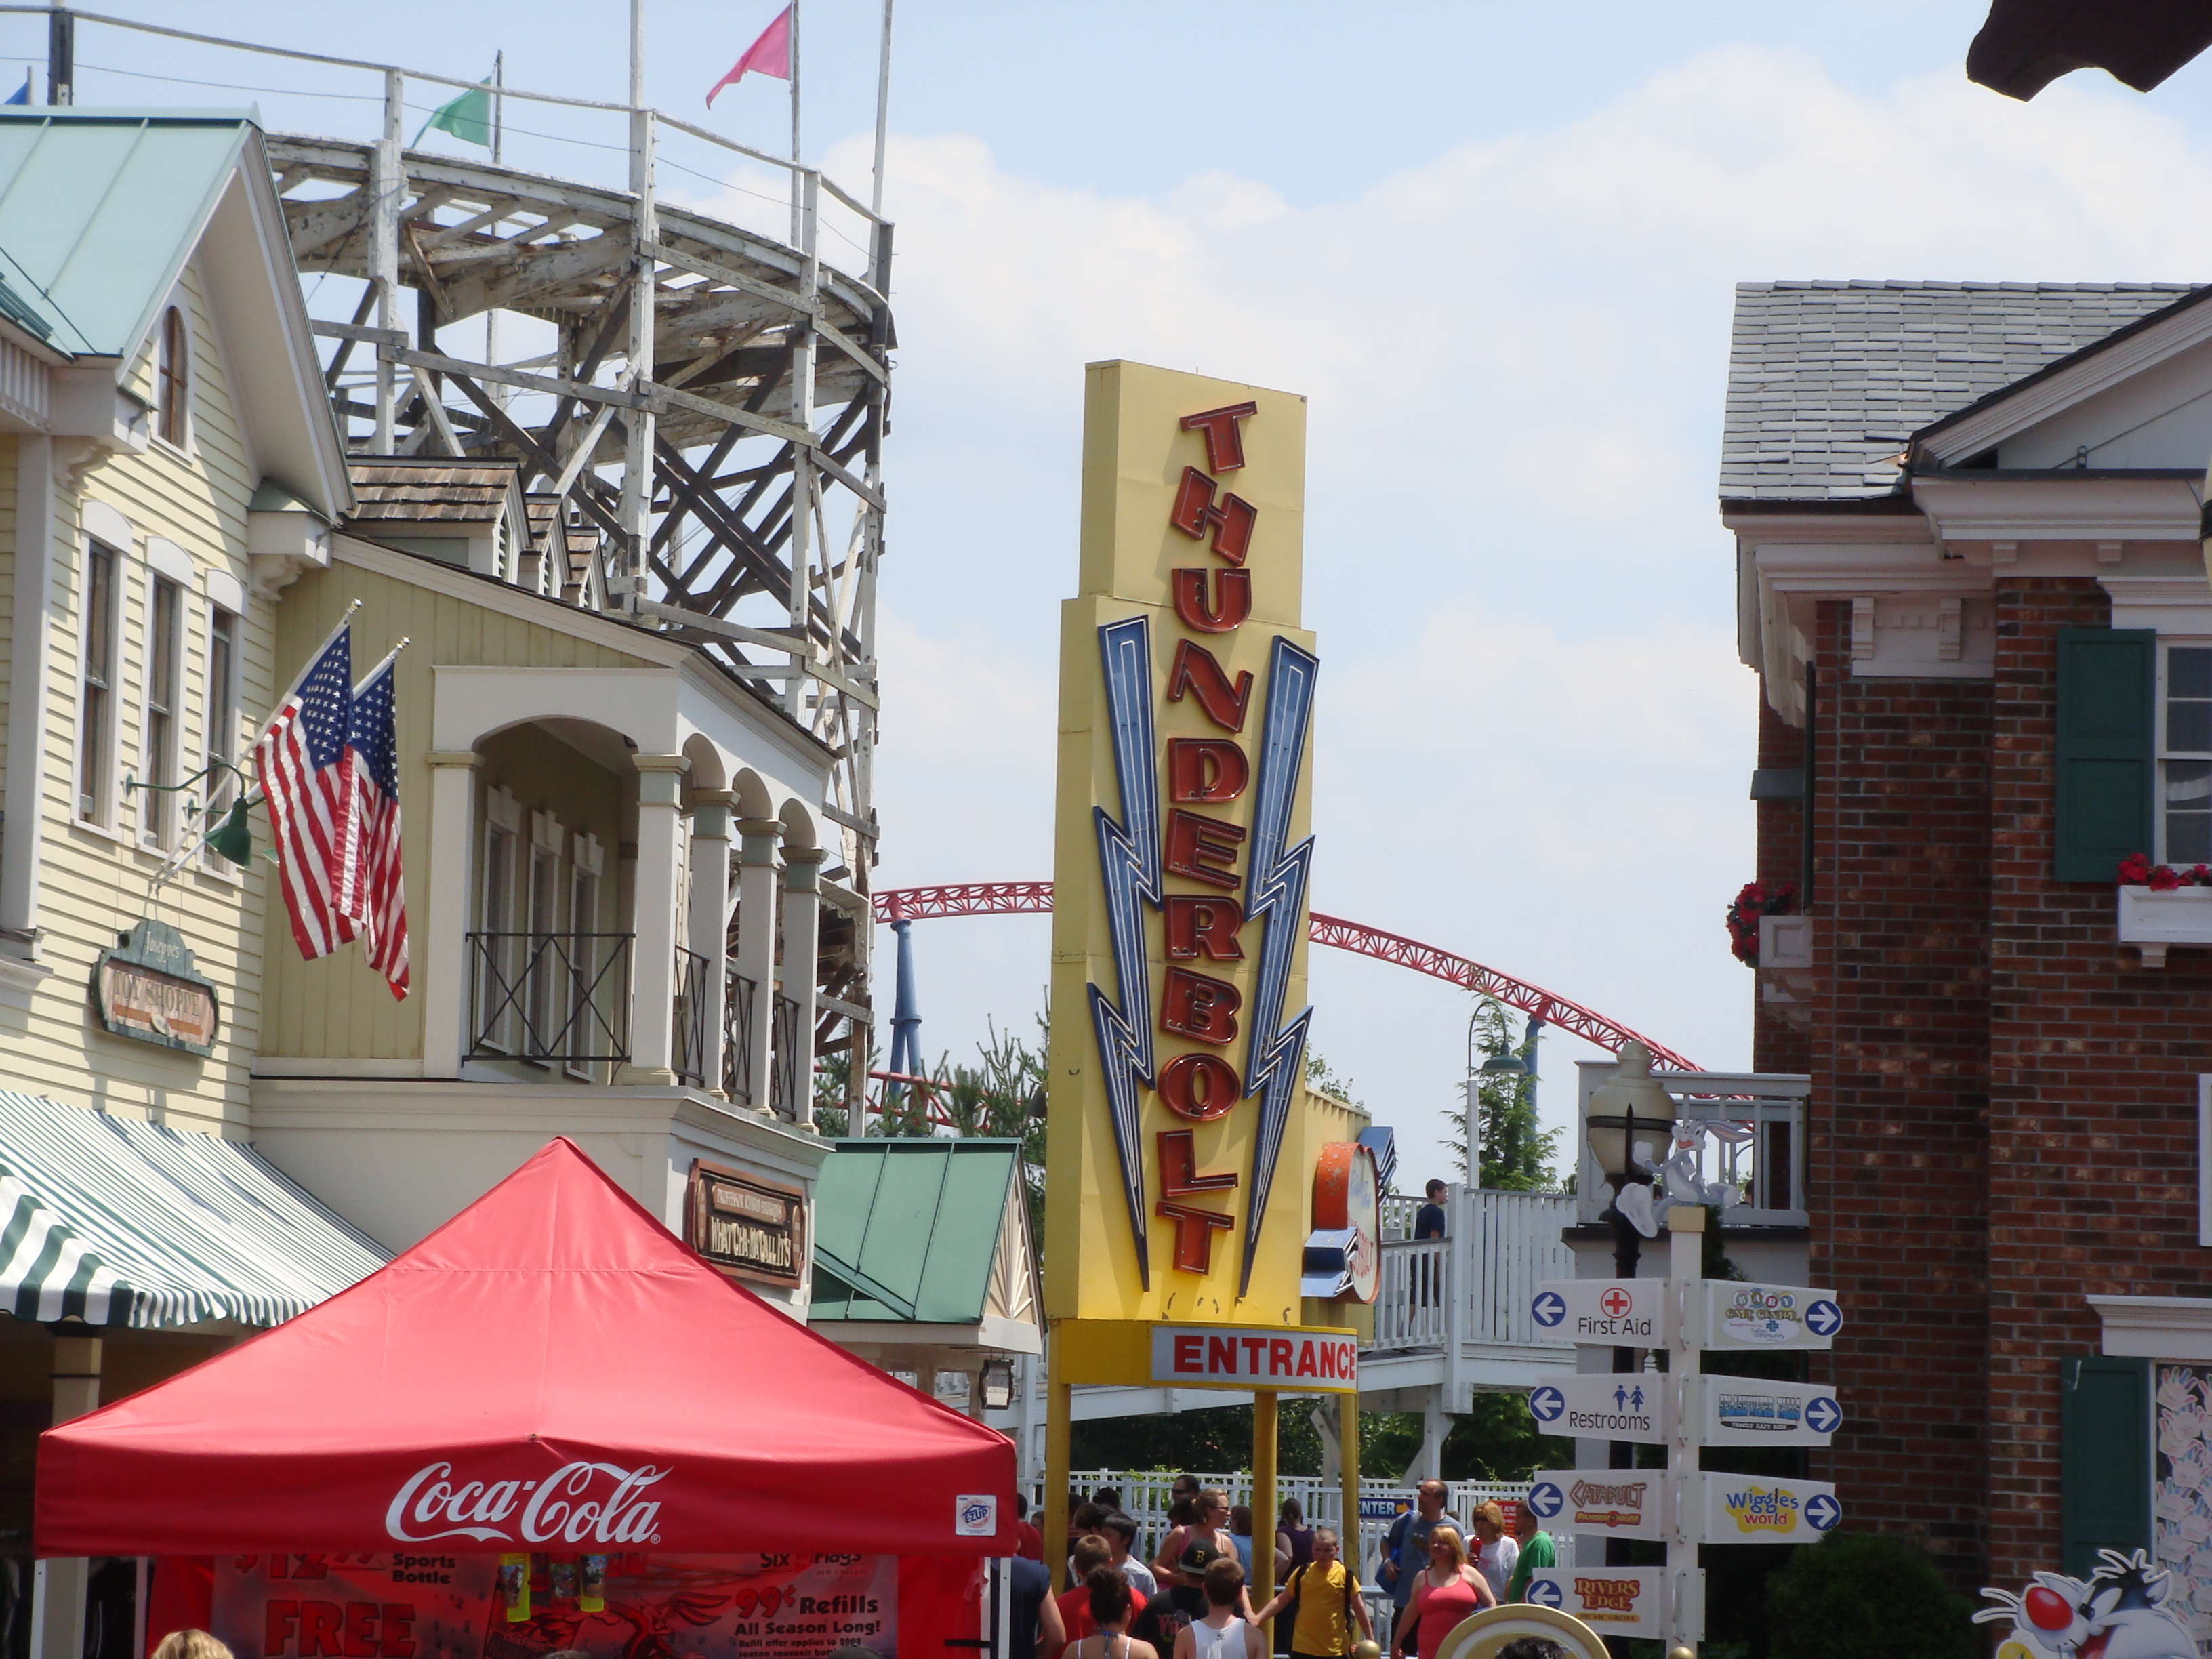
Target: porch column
(757,838)
(802,935)
(57,1586)
(652,918)
(448,1008)
(710,919)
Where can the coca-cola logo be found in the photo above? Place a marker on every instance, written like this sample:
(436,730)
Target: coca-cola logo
(578,1502)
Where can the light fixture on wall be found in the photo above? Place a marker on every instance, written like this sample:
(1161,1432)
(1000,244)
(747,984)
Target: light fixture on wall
(997,1381)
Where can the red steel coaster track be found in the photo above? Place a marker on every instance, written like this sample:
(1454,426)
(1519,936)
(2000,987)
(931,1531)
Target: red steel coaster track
(1015,898)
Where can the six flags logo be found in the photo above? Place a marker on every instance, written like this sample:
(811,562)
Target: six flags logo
(555,1507)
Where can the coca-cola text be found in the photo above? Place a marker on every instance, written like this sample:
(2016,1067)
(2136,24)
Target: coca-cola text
(433,1505)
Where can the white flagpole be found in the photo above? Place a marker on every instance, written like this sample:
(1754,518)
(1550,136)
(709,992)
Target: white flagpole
(883,108)
(797,194)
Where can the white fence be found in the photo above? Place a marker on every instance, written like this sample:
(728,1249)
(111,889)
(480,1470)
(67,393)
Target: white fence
(1409,1304)
(1475,1283)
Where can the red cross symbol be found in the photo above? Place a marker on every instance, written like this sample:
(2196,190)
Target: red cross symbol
(1616,1302)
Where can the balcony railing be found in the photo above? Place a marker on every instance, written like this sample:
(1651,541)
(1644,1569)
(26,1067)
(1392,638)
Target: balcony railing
(550,998)
(738,992)
(1409,1306)
(687,1030)
(1475,1283)
(783,1060)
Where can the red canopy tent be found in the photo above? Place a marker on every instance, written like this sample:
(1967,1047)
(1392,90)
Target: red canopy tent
(550,1369)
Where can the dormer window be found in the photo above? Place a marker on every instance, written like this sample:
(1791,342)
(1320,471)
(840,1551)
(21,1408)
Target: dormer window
(174,373)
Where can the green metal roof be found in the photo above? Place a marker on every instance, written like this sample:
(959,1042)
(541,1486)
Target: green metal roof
(907,1229)
(99,209)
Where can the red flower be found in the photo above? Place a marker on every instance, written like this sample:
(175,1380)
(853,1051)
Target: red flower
(2201,874)
(2164,880)
(2134,869)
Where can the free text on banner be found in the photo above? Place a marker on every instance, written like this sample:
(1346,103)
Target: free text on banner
(456,1606)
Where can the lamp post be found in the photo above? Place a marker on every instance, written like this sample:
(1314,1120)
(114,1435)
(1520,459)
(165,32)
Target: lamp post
(1505,1064)
(1630,1114)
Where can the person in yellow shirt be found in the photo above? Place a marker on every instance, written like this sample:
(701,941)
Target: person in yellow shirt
(1327,1596)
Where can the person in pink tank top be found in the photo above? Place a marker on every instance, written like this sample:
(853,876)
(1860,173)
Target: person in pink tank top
(1448,1592)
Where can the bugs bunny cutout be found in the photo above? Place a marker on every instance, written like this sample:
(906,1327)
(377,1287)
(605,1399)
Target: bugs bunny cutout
(2121,1613)
(1681,1177)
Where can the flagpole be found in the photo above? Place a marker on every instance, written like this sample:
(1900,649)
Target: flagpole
(883,107)
(797,194)
(383,663)
(498,131)
(314,657)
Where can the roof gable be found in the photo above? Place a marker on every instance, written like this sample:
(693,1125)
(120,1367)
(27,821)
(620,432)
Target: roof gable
(1829,381)
(914,1230)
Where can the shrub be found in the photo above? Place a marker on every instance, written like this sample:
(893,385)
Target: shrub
(1860,1593)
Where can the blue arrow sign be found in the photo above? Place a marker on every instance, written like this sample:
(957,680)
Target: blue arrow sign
(1823,1318)
(1548,1309)
(1546,1500)
(1822,1415)
(1546,1593)
(1823,1511)
(1547,1404)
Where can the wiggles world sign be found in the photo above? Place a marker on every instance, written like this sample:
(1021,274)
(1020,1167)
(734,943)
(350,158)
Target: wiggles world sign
(1177,1150)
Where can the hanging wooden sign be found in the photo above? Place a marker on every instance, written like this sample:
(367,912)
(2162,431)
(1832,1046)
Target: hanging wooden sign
(144,988)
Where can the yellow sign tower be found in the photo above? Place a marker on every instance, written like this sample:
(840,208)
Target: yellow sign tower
(1181,1147)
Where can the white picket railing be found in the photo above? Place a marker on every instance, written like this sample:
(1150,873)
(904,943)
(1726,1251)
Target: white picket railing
(1409,1304)
(1475,1283)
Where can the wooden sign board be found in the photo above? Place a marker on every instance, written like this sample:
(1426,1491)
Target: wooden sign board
(749,1228)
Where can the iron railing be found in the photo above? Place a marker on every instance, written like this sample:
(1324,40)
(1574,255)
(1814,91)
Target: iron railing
(783,1062)
(737,993)
(549,997)
(687,1029)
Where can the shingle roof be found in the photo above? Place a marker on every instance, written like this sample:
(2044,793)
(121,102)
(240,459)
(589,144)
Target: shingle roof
(468,492)
(1828,381)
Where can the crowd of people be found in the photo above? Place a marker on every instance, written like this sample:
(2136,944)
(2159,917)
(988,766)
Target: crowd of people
(1192,1600)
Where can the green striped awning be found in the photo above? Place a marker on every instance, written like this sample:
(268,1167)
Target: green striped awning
(117,1221)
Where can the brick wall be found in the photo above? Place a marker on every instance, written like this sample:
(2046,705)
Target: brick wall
(1776,1044)
(1899,1055)
(2092,1086)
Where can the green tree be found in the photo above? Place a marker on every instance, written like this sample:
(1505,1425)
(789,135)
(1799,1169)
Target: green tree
(1516,1154)
(1321,1075)
(1859,1592)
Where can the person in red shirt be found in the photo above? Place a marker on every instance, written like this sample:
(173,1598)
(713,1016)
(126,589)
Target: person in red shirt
(1028,1541)
(1090,1551)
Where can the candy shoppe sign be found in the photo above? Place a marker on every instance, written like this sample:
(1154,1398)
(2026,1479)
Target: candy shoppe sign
(425,1604)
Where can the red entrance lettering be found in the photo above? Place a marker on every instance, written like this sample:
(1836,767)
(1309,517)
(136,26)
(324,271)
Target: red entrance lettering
(1196,672)
(1202,926)
(1306,1366)
(1279,1357)
(1221,1356)
(1329,1359)
(1200,1006)
(1194,1237)
(1189,1355)
(1179,1175)
(1224,439)
(1221,611)
(1209,771)
(1200,1087)
(1202,848)
(1255,1349)
(1232,521)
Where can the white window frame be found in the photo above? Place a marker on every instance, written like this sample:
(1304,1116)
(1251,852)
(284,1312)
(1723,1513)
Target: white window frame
(219,738)
(161,748)
(184,446)
(542,922)
(105,742)
(502,820)
(586,863)
(2159,853)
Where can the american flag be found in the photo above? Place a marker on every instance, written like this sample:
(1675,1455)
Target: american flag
(306,778)
(378,899)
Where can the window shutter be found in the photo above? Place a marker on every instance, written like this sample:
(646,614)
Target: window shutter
(2107,754)
(2104,1459)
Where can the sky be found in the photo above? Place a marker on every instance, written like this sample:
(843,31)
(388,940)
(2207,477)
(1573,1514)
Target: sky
(1494,246)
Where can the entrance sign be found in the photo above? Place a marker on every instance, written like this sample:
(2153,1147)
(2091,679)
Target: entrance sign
(1608,1407)
(1734,1316)
(1612,1600)
(1606,1502)
(1744,1508)
(1180,1157)
(1606,1312)
(1255,1356)
(750,1228)
(144,988)
(1749,1411)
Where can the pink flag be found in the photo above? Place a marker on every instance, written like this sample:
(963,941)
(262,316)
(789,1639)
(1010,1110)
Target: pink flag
(770,55)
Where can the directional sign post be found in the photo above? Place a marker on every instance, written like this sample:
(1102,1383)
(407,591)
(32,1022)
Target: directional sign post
(1601,1405)
(1612,1600)
(1616,1313)
(1600,1502)
(1744,1508)
(1737,1317)
(1748,1410)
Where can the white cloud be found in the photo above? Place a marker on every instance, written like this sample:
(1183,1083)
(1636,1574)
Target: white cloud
(1535,736)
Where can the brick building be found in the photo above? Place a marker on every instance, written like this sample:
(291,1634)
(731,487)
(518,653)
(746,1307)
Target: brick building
(1969,576)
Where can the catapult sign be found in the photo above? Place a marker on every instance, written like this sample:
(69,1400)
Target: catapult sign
(1179,1164)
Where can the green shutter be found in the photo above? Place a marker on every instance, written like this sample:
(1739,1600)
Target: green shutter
(2104,1459)
(2107,756)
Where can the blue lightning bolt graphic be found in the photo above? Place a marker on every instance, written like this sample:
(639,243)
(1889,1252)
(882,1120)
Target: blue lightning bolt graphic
(1129,870)
(1275,895)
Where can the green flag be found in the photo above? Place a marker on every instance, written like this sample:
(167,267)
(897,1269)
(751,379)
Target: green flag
(468,117)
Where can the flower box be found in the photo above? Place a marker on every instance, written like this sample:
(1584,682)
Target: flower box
(2153,921)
